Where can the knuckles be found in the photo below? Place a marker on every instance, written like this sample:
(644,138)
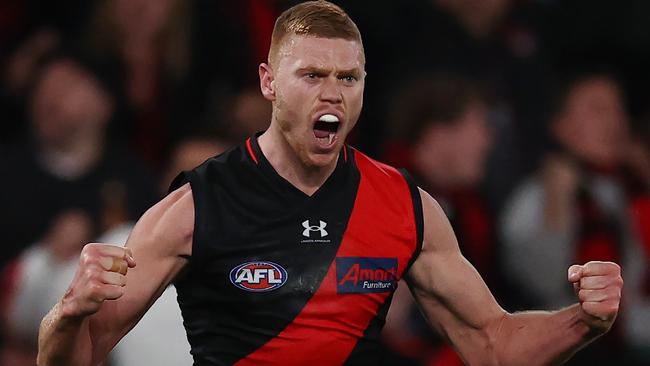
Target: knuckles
(614,294)
(90,254)
(86,258)
(603,267)
(619,281)
(91,270)
(95,293)
(95,289)
(604,295)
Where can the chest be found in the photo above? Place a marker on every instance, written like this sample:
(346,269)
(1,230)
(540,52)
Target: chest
(348,241)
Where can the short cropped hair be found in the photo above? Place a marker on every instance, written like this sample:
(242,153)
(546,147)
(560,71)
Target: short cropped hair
(313,18)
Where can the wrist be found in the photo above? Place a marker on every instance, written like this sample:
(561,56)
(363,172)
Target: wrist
(583,325)
(69,314)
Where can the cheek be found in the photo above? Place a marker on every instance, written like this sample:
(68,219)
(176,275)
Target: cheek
(354,103)
(283,106)
(290,96)
(356,96)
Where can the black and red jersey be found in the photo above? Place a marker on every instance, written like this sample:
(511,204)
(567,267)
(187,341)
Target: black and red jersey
(278,277)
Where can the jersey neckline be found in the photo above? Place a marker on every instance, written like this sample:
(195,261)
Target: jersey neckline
(344,163)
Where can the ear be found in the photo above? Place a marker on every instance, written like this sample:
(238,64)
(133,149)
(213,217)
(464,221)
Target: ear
(267,81)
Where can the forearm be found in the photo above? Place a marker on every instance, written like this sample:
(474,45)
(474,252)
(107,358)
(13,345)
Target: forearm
(63,340)
(541,338)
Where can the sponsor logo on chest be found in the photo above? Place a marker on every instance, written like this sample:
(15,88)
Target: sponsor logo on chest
(314,232)
(258,276)
(365,275)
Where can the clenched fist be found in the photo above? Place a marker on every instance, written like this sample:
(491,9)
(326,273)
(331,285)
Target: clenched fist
(101,276)
(598,286)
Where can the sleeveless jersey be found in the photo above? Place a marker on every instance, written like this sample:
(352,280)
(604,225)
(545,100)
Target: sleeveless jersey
(277,277)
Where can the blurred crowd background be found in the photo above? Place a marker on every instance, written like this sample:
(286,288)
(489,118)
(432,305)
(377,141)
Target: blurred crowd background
(528,120)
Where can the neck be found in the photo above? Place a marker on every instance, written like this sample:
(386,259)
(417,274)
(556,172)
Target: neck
(286,162)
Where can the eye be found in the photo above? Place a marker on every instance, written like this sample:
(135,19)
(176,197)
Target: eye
(348,79)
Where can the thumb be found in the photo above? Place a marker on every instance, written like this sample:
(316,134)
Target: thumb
(575,273)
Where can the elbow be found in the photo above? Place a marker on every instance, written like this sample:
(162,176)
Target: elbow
(496,342)
(41,358)
(503,348)
(487,345)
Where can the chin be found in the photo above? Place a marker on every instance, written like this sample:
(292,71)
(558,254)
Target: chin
(321,160)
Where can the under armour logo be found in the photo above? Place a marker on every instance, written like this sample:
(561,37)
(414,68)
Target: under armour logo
(309,228)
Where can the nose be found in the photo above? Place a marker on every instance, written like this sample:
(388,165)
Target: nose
(331,91)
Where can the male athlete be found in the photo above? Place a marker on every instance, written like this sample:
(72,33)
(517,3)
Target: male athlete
(287,249)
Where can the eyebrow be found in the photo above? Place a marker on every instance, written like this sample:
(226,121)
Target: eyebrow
(318,70)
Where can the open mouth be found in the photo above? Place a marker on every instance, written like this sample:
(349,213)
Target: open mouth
(325,129)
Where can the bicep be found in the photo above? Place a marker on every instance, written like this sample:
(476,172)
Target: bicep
(450,292)
(160,242)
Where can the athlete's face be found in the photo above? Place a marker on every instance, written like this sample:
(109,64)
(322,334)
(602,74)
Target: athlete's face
(594,123)
(313,83)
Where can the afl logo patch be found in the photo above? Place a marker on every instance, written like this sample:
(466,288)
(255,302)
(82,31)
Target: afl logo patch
(258,276)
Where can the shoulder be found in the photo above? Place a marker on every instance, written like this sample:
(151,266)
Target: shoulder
(369,165)
(438,233)
(389,182)
(431,209)
(384,177)
(235,155)
(228,162)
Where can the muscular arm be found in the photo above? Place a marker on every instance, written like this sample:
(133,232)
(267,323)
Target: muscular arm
(102,305)
(456,302)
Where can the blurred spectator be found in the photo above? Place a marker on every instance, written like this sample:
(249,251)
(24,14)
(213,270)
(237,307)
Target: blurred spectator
(638,301)
(189,153)
(445,121)
(37,281)
(43,273)
(18,76)
(573,210)
(67,164)
(21,67)
(162,325)
(494,42)
(28,29)
(240,113)
(159,338)
(66,183)
(224,77)
(150,41)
